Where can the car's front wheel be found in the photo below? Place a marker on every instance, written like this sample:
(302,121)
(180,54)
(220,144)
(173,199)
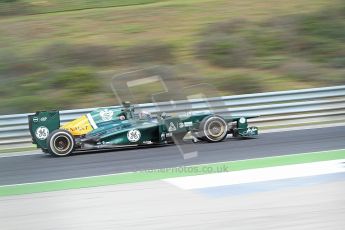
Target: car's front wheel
(60,143)
(213,129)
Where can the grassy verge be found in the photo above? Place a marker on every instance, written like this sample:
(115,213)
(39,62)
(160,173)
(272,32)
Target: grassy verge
(70,57)
(14,150)
(31,7)
(150,175)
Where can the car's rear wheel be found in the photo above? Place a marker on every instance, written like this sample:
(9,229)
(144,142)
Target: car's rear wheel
(213,129)
(60,143)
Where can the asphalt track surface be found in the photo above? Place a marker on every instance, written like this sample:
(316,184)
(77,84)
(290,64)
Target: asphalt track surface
(158,205)
(42,167)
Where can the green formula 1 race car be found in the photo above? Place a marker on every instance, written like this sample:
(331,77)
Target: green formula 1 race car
(107,128)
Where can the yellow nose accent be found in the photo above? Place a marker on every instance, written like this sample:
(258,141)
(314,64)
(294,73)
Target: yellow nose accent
(78,126)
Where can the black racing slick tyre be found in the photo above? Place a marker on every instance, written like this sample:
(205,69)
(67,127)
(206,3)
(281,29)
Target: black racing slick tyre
(213,129)
(60,143)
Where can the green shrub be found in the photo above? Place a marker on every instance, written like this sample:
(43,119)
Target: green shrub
(337,62)
(23,7)
(77,80)
(301,70)
(269,62)
(267,41)
(79,54)
(239,83)
(25,104)
(47,90)
(225,50)
(148,52)
(225,44)
(328,23)
(20,86)
(14,7)
(23,68)
(321,36)
(102,55)
(226,27)
(234,43)
(318,37)
(318,49)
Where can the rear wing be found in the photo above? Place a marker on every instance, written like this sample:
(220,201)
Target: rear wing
(41,124)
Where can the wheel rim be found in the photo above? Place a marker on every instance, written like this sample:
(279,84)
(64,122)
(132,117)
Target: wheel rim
(62,143)
(216,129)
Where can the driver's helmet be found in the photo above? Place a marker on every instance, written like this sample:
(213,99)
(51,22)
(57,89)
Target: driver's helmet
(122,117)
(144,115)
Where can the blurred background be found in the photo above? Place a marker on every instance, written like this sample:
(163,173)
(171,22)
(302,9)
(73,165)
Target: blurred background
(63,54)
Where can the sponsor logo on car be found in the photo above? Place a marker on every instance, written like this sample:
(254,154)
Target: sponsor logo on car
(172,127)
(133,135)
(185,124)
(251,131)
(79,128)
(188,124)
(185,114)
(148,142)
(42,133)
(106,114)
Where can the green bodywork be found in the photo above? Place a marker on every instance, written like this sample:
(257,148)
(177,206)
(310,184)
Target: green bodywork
(41,124)
(132,130)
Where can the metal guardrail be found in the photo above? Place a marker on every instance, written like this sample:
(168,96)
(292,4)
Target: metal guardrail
(275,108)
